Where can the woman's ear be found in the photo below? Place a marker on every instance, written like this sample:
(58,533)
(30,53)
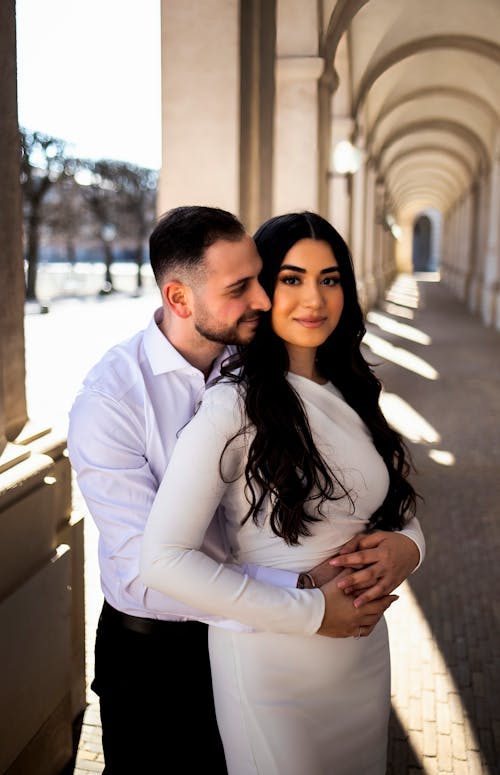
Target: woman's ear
(177,297)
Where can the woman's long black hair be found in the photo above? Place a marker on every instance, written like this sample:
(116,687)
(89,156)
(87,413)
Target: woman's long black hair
(283,461)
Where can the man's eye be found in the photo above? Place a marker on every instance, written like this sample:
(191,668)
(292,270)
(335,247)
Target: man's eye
(239,290)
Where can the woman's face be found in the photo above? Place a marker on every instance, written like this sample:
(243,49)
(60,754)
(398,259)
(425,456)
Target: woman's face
(308,297)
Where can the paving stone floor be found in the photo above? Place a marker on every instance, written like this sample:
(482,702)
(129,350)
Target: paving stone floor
(441,373)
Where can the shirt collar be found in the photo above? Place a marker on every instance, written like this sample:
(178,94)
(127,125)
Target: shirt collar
(163,356)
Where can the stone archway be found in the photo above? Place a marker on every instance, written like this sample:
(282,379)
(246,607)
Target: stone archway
(422,233)
(426,241)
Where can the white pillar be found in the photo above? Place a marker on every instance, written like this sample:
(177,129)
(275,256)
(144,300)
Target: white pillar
(200,104)
(477,279)
(296,116)
(13,411)
(339,190)
(381,271)
(296,134)
(357,225)
(465,246)
(369,237)
(472,258)
(402,248)
(452,268)
(491,289)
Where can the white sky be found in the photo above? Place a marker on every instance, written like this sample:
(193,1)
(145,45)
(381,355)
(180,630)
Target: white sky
(89,73)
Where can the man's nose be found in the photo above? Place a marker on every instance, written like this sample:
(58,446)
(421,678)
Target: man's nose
(261,300)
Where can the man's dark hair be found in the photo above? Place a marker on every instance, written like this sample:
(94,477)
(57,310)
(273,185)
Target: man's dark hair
(181,236)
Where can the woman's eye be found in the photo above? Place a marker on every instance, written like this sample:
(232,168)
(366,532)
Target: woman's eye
(330,281)
(290,280)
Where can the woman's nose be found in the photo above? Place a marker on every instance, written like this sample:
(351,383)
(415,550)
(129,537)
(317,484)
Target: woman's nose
(312,296)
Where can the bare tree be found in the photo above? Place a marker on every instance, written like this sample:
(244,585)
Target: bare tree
(136,188)
(121,198)
(98,191)
(65,221)
(43,163)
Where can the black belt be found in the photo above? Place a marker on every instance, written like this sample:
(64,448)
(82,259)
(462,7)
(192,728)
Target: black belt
(140,624)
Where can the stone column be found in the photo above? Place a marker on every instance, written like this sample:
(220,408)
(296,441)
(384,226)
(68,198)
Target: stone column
(296,123)
(446,249)
(464,246)
(479,246)
(258,47)
(200,104)
(42,653)
(491,287)
(340,183)
(369,237)
(473,239)
(13,414)
(381,272)
(358,223)
(455,258)
(296,134)
(327,85)
(449,262)
(399,253)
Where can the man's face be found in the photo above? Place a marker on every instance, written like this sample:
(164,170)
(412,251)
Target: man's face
(229,299)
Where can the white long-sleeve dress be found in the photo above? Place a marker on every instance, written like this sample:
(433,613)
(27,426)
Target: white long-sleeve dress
(288,701)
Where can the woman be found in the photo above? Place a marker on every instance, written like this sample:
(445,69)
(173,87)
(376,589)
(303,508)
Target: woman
(294,447)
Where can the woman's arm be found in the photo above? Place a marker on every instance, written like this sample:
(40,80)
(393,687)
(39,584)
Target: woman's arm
(388,558)
(171,560)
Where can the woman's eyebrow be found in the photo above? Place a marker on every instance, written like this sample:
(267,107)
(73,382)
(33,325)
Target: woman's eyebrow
(292,268)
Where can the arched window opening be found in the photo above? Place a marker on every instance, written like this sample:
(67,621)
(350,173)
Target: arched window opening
(426,241)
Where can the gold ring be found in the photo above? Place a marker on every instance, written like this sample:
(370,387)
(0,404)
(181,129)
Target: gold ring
(358,636)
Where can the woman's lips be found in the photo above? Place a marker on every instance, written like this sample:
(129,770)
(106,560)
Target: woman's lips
(310,322)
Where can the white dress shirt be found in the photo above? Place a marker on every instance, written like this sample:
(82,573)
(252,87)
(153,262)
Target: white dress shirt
(123,427)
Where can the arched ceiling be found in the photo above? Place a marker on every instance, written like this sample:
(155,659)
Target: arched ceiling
(422,79)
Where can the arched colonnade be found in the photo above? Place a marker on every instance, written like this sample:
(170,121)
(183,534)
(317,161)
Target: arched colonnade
(257,95)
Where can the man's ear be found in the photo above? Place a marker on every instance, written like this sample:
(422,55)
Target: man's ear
(177,297)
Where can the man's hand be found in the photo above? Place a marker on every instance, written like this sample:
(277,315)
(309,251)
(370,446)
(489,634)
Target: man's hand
(388,559)
(324,572)
(343,620)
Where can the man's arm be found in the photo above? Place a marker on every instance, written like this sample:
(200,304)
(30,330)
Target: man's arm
(106,449)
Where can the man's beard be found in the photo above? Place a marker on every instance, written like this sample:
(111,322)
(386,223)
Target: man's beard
(228,335)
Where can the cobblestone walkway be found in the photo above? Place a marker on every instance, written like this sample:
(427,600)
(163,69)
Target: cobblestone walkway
(441,374)
(445,629)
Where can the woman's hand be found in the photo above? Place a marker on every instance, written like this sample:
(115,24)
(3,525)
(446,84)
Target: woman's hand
(387,558)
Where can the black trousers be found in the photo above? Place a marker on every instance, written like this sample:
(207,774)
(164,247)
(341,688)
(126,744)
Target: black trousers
(155,694)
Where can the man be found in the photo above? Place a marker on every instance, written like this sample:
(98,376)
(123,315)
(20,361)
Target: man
(151,652)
